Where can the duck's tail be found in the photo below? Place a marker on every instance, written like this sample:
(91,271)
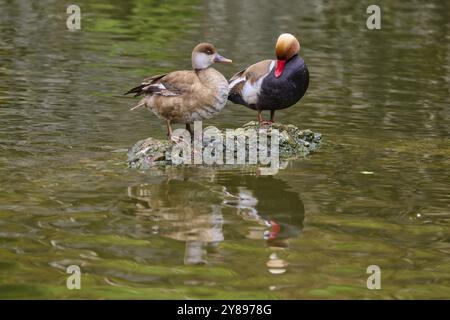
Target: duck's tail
(149,85)
(141,104)
(139,90)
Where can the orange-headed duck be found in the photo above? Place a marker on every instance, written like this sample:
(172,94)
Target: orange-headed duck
(272,84)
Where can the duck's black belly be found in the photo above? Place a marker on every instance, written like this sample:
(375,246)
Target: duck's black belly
(285,91)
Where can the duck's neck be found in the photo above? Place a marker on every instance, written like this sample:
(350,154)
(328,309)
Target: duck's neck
(211,78)
(293,58)
(205,74)
(200,70)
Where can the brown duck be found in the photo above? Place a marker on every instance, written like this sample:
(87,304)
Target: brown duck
(272,84)
(186,96)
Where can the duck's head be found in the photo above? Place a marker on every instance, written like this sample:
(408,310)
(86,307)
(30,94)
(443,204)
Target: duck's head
(204,55)
(287,46)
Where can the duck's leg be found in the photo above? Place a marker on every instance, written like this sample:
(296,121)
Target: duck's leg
(272,116)
(260,117)
(189,128)
(169,130)
(262,121)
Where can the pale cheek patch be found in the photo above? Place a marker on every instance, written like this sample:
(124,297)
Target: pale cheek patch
(201,61)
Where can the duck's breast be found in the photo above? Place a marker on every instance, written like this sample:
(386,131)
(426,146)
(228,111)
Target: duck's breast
(288,89)
(210,95)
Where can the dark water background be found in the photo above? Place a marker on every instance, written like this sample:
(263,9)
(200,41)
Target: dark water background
(376,193)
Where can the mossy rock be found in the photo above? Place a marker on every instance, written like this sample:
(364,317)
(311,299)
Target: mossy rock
(293,143)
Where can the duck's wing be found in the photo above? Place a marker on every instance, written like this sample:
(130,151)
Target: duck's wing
(245,85)
(169,84)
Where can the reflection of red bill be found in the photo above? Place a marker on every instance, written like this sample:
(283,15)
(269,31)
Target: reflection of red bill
(274,230)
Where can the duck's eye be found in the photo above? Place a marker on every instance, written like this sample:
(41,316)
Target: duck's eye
(209,52)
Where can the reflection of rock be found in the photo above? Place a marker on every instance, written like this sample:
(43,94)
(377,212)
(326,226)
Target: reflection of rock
(185,208)
(293,142)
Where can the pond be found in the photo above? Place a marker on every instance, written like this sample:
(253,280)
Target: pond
(376,193)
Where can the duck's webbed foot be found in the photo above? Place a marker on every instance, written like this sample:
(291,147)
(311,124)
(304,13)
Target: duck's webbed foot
(169,131)
(176,139)
(266,122)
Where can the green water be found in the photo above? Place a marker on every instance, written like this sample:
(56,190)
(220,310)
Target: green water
(376,193)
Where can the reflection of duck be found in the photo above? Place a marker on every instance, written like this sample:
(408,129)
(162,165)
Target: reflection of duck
(267,199)
(190,211)
(278,211)
(272,85)
(183,211)
(187,96)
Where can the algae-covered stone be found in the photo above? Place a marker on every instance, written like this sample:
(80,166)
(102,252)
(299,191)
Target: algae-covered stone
(150,152)
(293,143)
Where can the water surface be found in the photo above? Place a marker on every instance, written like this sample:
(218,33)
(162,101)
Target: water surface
(376,193)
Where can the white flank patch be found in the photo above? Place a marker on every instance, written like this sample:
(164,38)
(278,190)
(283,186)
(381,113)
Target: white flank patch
(250,91)
(235,82)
